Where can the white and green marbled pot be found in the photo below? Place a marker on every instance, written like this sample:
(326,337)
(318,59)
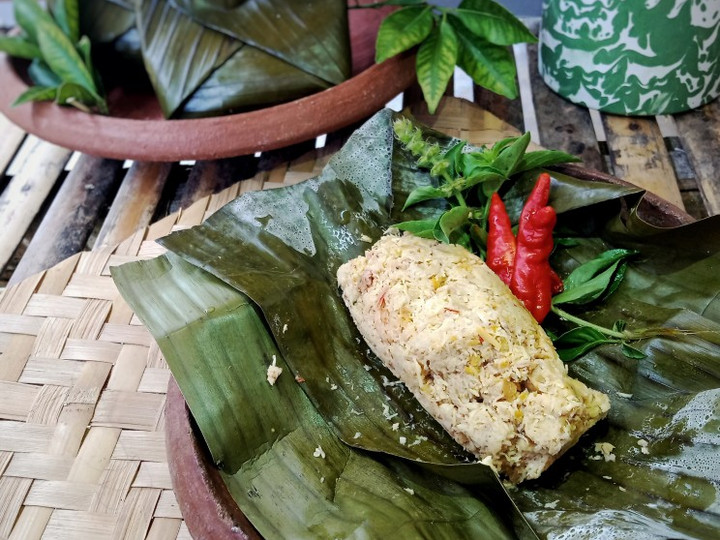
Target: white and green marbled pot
(632,57)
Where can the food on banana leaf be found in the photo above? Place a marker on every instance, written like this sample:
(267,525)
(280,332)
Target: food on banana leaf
(218,57)
(282,248)
(472,355)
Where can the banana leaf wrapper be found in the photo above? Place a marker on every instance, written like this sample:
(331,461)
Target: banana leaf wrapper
(281,248)
(278,51)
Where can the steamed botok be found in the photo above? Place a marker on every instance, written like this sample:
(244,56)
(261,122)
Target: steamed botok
(472,355)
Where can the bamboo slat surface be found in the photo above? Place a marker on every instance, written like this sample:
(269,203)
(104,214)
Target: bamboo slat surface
(82,384)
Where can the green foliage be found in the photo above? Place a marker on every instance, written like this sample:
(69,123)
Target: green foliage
(61,67)
(474,36)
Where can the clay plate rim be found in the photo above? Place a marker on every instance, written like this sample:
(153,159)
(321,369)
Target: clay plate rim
(155,139)
(205,503)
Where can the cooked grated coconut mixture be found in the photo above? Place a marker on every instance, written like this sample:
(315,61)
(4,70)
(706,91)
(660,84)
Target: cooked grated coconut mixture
(472,355)
(273,371)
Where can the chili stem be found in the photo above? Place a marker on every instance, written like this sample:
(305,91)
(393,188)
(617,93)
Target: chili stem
(582,322)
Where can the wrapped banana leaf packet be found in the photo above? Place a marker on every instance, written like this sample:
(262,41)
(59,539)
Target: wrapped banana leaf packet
(337,448)
(212,57)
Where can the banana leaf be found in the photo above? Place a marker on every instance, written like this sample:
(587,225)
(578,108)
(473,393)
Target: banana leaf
(281,248)
(279,459)
(285,50)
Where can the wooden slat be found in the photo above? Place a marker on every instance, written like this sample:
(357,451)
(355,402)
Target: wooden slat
(21,200)
(638,154)
(135,203)
(700,132)
(12,137)
(208,177)
(69,221)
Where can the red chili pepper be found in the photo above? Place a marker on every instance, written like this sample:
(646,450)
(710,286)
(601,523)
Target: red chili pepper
(532,280)
(500,241)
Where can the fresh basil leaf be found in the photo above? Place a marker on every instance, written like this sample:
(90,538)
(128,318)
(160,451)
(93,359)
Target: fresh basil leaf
(576,342)
(435,63)
(544,158)
(509,158)
(451,221)
(62,57)
(491,21)
(490,186)
(28,15)
(19,47)
(566,242)
(499,145)
(616,279)
(402,30)
(591,268)
(490,66)
(421,227)
(67,15)
(632,352)
(590,290)
(35,93)
(455,156)
(619,326)
(41,74)
(424,193)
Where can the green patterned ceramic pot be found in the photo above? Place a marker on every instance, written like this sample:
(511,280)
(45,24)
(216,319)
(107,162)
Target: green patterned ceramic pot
(632,57)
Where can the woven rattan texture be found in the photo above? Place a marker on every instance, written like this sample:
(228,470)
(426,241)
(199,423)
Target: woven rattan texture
(82,394)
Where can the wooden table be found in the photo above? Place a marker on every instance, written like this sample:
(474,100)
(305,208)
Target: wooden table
(82,384)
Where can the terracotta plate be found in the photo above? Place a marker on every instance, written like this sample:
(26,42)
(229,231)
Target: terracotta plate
(206,505)
(136,129)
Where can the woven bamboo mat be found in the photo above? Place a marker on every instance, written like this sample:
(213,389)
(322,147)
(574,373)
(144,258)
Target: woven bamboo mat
(83,384)
(82,394)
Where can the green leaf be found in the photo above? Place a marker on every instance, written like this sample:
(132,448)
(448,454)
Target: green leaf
(591,268)
(35,93)
(219,349)
(435,63)
(84,46)
(28,15)
(632,352)
(424,193)
(544,158)
(590,290)
(41,74)
(62,57)
(211,72)
(312,37)
(80,97)
(578,341)
(490,66)
(105,21)
(491,21)
(402,30)
(19,47)
(421,227)
(450,222)
(67,15)
(510,156)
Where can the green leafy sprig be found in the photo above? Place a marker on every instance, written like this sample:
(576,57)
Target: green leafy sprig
(466,179)
(61,66)
(474,36)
